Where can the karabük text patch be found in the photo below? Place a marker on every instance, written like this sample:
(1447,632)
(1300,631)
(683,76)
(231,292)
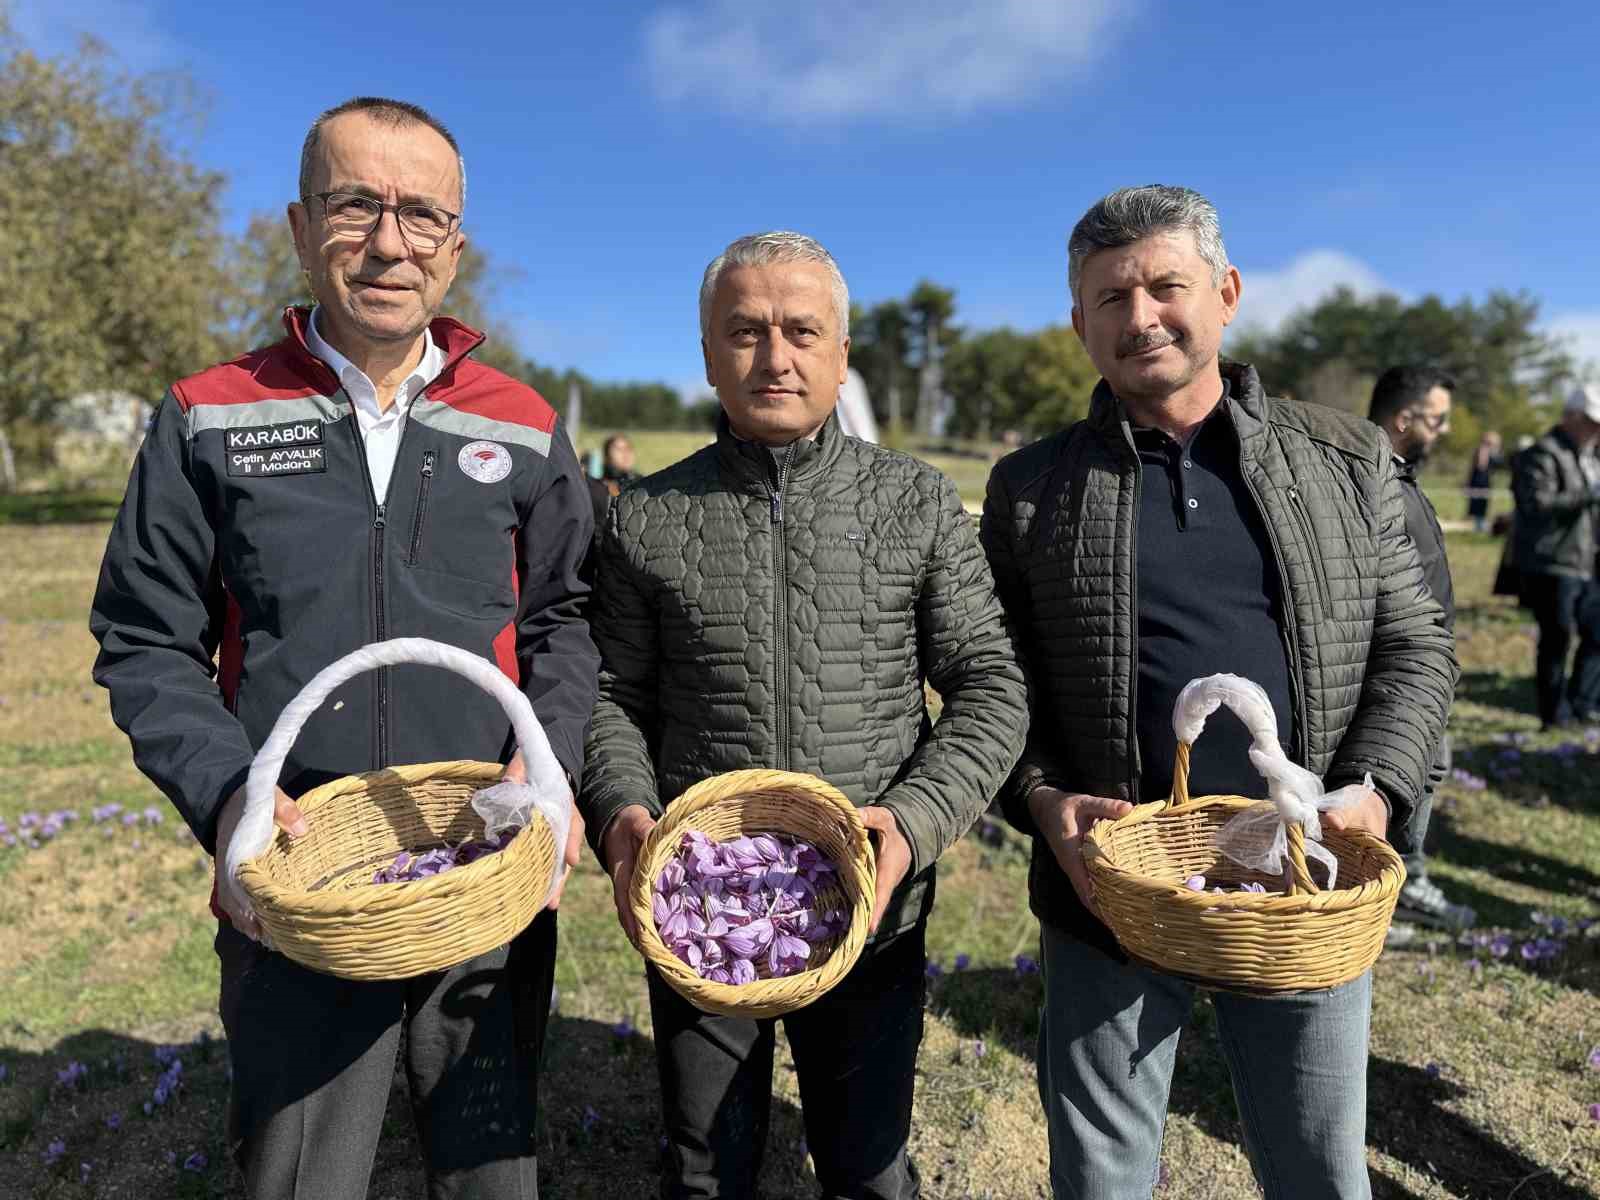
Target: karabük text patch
(288,448)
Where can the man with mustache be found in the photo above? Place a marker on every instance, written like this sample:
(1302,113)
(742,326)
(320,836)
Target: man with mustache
(1192,525)
(777,600)
(362,479)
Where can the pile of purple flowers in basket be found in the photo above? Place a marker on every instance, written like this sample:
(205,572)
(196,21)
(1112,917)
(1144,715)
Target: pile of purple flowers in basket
(407,867)
(746,909)
(1197,883)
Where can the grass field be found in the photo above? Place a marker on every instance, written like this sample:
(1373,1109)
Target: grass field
(1481,1076)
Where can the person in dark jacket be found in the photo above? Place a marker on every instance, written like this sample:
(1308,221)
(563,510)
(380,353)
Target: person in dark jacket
(1412,405)
(776,600)
(1190,525)
(1480,479)
(1556,483)
(362,479)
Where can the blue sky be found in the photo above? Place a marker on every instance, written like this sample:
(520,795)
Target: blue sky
(613,148)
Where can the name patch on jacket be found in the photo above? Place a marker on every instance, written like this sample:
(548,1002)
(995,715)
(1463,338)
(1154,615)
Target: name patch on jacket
(289,448)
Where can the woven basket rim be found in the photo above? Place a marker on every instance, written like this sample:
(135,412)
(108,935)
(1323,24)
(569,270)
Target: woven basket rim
(856,876)
(1389,878)
(267,891)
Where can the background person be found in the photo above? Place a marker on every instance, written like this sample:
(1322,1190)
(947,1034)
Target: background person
(1412,405)
(777,600)
(362,479)
(617,471)
(1480,479)
(1556,482)
(1191,525)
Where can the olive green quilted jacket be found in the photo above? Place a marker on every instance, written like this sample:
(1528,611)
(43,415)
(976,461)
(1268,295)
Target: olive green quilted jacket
(1372,664)
(752,612)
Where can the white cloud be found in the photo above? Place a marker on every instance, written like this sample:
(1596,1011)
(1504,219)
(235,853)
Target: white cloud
(1581,333)
(845,59)
(1271,297)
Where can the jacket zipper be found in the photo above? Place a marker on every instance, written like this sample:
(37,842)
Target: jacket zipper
(1137,771)
(1309,531)
(380,522)
(422,507)
(1290,623)
(780,612)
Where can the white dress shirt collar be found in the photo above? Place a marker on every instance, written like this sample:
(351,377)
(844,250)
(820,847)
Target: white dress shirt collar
(362,391)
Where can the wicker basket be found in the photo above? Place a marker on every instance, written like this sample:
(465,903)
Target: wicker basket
(750,802)
(314,895)
(1304,940)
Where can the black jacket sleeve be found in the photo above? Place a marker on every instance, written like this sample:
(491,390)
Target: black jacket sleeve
(556,658)
(157,613)
(1038,763)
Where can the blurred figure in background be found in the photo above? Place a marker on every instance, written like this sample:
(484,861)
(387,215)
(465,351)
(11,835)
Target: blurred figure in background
(1556,483)
(617,470)
(1412,407)
(1480,476)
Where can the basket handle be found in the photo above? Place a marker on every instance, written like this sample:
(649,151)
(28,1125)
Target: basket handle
(1300,881)
(254,832)
(1198,700)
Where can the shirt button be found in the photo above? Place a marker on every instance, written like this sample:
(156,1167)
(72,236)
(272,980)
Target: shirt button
(1187,464)
(1193,503)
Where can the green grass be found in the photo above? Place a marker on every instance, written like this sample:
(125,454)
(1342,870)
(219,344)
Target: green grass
(1478,1084)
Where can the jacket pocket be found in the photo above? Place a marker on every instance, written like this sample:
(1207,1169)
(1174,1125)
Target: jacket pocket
(424,486)
(1308,537)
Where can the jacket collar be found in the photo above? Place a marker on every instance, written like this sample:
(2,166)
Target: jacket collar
(753,462)
(1245,403)
(454,340)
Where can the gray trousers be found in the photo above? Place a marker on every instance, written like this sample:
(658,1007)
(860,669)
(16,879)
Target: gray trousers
(1108,1040)
(314,1056)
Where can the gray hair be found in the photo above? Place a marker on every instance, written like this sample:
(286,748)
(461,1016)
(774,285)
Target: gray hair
(393,113)
(764,250)
(1131,214)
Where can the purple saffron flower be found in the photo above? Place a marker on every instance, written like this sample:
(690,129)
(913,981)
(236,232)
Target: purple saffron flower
(1195,883)
(963,961)
(741,971)
(1500,945)
(195,1161)
(979,1049)
(114,1122)
(165,1056)
(84,1171)
(1594,1059)
(623,1029)
(148,1108)
(71,1074)
(5,1072)
(589,1119)
(172,1158)
(932,969)
(54,1151)
(1594,1112)
(1026,965)
(1431,1070)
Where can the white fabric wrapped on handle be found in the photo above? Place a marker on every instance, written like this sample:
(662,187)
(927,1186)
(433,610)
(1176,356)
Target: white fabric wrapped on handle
(504,805)
(1256,838)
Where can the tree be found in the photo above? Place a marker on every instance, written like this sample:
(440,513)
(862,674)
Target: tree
(1501,362)
(114,275)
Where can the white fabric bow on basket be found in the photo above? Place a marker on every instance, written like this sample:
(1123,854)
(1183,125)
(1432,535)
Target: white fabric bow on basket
(504,805)
(1257,839)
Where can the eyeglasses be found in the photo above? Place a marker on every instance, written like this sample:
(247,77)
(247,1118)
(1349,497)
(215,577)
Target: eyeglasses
(349,215)
(1432,422)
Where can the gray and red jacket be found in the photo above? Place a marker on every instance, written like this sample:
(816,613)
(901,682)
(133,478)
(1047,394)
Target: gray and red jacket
(249,554)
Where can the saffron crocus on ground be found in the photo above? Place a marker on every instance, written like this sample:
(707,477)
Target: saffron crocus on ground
(745,909)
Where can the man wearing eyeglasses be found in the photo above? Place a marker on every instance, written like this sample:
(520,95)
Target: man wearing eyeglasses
(1412,404)
(362,479)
